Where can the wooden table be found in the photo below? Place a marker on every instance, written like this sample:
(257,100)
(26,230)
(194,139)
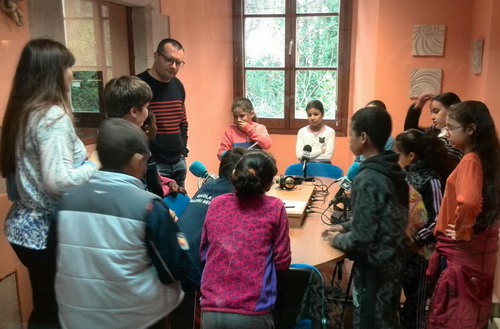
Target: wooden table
(308,247)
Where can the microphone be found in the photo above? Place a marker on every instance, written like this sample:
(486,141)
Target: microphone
(306,156)
(200,170)
(341,203)
(306,153)
(345,182)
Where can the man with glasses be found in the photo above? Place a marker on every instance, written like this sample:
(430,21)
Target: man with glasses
(170,145)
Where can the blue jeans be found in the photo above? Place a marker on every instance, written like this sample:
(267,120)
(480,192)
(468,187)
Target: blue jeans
(176,171)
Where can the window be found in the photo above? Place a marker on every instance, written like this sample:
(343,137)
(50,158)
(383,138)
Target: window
(87,91)
(289,52)
(113,51)
(96,33)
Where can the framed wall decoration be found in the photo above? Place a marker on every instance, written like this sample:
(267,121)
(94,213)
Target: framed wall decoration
(425,81)
(477,56)
(428,40)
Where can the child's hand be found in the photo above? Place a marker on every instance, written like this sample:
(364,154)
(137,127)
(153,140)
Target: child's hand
(241,124)
(329,235)
(336,228)
(174,188)
(173,215)
(422,100)
(450,232)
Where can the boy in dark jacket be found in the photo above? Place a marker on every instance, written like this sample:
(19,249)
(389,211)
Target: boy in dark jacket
(375,236)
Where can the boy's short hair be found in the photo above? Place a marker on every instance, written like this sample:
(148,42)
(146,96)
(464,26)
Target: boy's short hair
(124,93)
(118,141)
(375,122)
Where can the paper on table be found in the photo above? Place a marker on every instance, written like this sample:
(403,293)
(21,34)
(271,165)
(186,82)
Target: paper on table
(294,205)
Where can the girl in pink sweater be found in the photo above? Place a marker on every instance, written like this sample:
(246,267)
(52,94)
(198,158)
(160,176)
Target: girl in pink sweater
(244,242)
(245,131)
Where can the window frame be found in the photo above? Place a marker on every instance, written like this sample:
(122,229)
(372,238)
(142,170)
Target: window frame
(290,125)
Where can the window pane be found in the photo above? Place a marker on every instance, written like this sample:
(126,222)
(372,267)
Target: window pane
(86,91)
(320,85)
(74,8)
(317,41)
(83,47)
(266,90)
(264,42)
(264,7)
(318,6)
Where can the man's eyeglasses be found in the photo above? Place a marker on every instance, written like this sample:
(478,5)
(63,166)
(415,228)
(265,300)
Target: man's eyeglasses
(169,61)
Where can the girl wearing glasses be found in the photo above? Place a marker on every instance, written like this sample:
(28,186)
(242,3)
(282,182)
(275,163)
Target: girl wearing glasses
(467,225)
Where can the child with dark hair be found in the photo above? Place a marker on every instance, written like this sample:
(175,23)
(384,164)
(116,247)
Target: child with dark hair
(439,107)
(113,241)
(244,131)
(375,236)
(376,103)
(317,134)
(390,140)
(128,97)
(191,223)
(467,225)
(244,242)
(149,125)
(427,162)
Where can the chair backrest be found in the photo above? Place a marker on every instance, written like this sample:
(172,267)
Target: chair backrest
(177,203)
(316,170)
(294,289)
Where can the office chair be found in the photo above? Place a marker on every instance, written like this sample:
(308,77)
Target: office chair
(316,170)
(300,289)
(177,203)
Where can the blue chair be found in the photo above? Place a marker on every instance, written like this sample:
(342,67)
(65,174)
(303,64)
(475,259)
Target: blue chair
(177,203)
(316,170)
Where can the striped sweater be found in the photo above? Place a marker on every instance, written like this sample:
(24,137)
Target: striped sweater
(168,106)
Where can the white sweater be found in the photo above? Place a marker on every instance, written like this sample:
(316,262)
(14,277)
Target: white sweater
(322,143)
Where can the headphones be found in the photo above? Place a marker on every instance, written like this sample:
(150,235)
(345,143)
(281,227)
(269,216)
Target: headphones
(289,182)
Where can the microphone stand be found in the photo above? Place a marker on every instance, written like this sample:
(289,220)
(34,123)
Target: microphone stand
(304,170)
